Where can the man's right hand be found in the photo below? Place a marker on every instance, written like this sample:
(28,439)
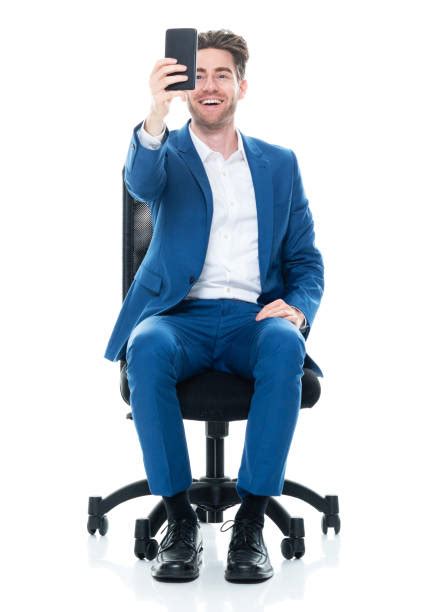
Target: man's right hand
(161,99)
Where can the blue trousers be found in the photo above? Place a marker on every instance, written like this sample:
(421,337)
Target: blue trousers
(219,334)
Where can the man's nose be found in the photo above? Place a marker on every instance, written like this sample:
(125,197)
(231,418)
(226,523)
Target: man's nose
(209,83)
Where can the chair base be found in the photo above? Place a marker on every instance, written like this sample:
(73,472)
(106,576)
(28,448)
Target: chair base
(212,496)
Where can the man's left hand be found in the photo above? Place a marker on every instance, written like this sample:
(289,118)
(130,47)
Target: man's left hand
(279,308)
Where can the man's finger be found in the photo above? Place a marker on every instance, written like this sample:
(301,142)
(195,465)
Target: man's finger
(275,312)
(163,62)
(277,309)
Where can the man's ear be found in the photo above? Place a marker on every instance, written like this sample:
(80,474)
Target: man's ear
(243,86)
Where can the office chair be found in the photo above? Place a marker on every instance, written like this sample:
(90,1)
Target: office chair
(215,398)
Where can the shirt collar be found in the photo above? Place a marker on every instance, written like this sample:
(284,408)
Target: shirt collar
(204,150)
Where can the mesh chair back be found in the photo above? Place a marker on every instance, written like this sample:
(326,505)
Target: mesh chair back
(137,234)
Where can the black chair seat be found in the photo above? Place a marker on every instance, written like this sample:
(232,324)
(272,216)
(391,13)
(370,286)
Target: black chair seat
(218,396)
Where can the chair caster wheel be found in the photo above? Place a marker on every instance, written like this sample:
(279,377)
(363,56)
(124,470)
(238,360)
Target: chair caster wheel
(293,547)
(146,549)
(330,520)
(97,522)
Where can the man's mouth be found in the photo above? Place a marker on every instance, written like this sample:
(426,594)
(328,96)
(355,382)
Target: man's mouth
(211,102)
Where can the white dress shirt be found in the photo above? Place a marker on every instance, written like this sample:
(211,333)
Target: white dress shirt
(231,267)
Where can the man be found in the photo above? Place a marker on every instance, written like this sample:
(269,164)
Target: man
(232,281)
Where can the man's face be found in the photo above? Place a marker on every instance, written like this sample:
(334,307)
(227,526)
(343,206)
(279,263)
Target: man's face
(215,79)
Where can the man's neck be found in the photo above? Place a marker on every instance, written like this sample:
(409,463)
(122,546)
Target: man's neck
(224,140)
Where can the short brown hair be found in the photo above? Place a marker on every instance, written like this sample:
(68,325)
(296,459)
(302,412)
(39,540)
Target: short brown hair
(228,41)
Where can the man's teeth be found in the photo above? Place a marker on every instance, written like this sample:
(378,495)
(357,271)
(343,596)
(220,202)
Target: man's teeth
(211,101)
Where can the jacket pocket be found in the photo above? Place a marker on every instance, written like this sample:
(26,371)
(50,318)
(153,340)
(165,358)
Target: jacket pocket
(149,279)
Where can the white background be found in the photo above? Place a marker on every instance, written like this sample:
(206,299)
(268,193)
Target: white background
(344,85)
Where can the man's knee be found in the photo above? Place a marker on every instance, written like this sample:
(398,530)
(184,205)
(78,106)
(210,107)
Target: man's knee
(150,342)
(283,340)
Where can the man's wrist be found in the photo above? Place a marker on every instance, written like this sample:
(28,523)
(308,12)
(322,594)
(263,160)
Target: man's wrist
(154,125)
(303,324)
(147,140)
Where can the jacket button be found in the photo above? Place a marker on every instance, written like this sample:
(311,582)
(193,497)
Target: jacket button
(192,279)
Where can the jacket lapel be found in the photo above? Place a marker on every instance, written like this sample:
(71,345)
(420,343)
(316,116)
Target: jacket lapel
(262,181)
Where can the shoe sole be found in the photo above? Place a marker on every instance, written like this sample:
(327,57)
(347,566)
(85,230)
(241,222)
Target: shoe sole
(242,577)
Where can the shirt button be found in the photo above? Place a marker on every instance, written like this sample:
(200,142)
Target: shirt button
(228,289)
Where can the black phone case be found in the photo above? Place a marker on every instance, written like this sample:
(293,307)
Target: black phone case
(182,44)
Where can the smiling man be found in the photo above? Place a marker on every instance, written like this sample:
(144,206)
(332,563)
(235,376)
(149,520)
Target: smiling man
(231,281)
(213,103)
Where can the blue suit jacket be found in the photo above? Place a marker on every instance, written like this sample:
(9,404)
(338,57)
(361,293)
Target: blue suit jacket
(173,182)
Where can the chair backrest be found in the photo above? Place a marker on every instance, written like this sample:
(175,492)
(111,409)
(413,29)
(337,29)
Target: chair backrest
(137,230)
(137,233)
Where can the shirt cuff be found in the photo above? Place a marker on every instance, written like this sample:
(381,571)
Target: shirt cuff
(147,140)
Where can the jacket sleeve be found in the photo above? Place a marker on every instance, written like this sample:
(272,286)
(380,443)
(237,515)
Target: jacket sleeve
(145,175)
(302,263)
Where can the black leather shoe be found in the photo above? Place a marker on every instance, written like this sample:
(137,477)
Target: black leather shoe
(247,559)
(180,552)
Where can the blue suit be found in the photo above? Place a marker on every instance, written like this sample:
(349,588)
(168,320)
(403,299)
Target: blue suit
(165,338)
(173,181)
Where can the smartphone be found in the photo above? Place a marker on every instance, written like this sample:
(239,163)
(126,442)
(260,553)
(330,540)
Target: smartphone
(182,43)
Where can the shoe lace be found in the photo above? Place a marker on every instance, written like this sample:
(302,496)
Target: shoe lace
(178,529)
(244,535)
